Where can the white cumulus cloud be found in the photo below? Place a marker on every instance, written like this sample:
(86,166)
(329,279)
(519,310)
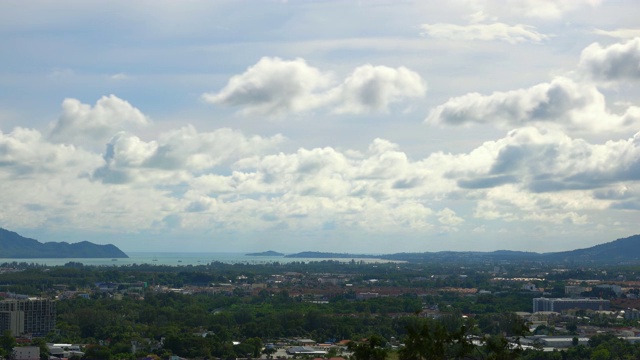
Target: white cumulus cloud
(82,124)
(274,87)
(372,88)
(561,103)
(176,154)
(612,63)
(25,152)
(449,217)
(550,161)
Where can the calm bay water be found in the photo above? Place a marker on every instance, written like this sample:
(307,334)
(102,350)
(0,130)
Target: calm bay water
(180,259)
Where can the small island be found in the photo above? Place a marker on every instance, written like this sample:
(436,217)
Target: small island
(266,253)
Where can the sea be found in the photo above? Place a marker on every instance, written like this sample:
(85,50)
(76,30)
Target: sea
(183,259)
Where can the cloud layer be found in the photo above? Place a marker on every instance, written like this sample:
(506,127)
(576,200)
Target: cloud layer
(380,189)
(512,34)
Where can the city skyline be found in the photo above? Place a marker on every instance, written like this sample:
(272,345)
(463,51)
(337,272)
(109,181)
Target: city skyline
(361,127)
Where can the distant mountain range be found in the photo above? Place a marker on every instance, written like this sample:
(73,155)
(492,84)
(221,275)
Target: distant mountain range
(621,250)
(626,250)
(14,246)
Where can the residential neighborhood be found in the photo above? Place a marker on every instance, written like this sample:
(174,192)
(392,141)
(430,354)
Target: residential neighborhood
(317,309)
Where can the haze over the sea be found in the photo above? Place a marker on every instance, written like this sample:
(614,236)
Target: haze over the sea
(184,259)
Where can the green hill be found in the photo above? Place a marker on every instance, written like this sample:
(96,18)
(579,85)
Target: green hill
(626,250)
(620,250)
(14,246)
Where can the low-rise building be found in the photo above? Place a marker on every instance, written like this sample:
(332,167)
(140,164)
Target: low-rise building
(26,353)
(555,342)
(561,305)
(304,350)
(529,287)
(632,314)
(64,350)
(616,289)
(575,290)
(367,295)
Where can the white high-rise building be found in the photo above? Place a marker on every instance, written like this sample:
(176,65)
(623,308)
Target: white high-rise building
(32,316)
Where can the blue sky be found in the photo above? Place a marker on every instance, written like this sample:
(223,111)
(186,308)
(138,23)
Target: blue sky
(370,126)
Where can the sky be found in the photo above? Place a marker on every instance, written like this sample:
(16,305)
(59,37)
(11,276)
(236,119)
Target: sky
(342,126)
